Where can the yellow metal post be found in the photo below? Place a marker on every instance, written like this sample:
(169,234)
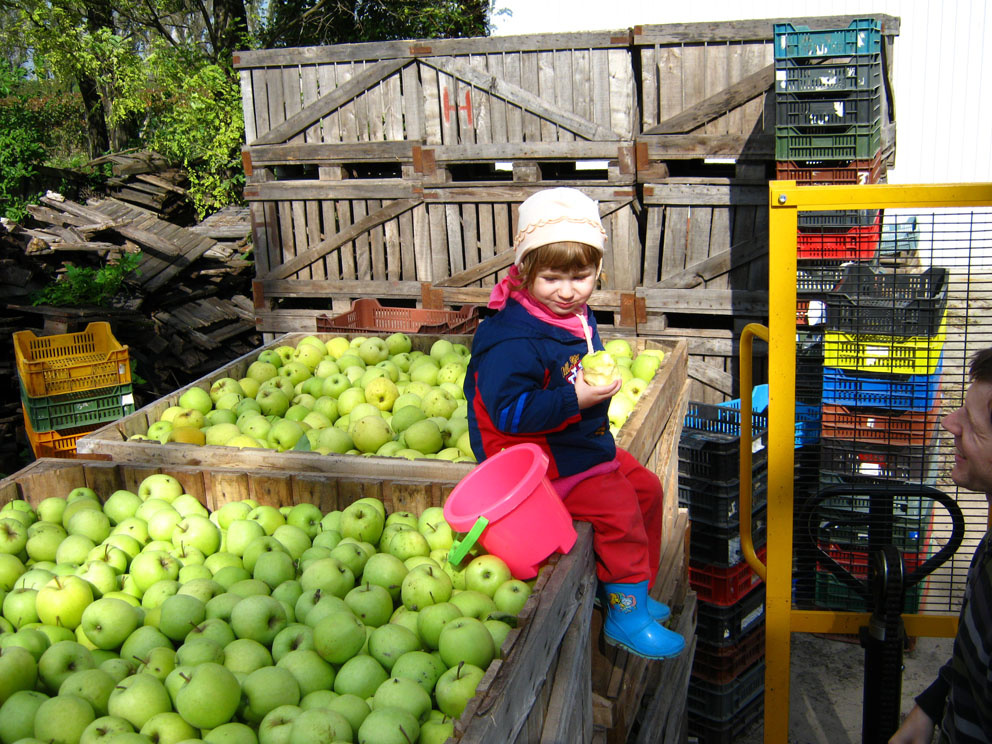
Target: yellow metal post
(785,200)
(782,225)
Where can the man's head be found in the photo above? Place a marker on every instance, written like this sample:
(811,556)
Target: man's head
(971,425)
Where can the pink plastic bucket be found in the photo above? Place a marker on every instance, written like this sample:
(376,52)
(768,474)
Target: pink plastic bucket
(527,520)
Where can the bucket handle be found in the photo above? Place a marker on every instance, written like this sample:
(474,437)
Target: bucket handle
(460,548)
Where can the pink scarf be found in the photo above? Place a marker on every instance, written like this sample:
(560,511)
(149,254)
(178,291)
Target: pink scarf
(507,288)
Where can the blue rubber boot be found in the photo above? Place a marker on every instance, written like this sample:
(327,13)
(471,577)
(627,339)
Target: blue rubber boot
(658,611)
(629,625)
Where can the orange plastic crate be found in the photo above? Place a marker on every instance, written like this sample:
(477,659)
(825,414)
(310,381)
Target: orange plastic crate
(881,425)
(55,443)
(369,315)
(70,362)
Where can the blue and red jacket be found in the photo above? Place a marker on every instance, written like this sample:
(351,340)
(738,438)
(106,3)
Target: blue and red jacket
(520,387)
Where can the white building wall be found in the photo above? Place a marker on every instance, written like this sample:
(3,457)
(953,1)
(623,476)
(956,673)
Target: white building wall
(942,68)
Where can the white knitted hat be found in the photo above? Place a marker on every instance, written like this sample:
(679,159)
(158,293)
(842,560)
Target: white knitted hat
(557,215)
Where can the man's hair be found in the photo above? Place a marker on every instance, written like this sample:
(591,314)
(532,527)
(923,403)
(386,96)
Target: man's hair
(562,256)
(980,369)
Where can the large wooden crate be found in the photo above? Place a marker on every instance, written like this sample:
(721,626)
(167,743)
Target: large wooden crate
(541,683)
(651,426)
(339,240)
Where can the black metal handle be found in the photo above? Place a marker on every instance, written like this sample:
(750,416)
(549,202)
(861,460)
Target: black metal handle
(885,493)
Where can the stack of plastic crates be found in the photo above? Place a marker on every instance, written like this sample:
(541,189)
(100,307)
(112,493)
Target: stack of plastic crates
(828,105)
(727,682)
(71,384)
(882,335)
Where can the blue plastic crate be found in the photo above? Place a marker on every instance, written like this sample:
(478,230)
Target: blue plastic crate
(807,416)
(897,392)
(862,36)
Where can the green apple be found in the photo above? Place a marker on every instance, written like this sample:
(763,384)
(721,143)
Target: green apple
(92,685)
(284,434)
(243,656)
(424,586)
(466,640)
(619,347)
(265,689)
(360,675)
(406,543)
(160,486)
(424,436)
(108,622)
(398,343)
(404,693)
(337,346)
(511,596)
(139,697)
(30,639)
(62,719)
(599,369)
(274,567)
(485,573)
(437,730)
(387,571)
(362,521)
(456,687)
(381,392)
(152,566)
(620,408)
(268,516)
(62,601)
(422,667)
(17,714)
(309,669)
(645,366)
(634,388)
(338,636)
(232,732)
(18,671)
(272,401)
(259,618)
(196,398)
(370,433)
(210,696)
(432,619)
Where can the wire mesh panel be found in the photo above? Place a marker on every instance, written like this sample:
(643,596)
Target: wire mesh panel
(883,345)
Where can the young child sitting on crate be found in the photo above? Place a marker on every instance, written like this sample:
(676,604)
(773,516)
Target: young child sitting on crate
(525,383)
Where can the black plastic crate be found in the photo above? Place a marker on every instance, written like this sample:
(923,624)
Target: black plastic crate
(724,702)
(720,665)
(906,463)
(828,75)
(726,626)
(839,219)
(809,367)
(710,443)
(708,731)
(856,107)
(721,546)
(717,503)
(870,301)
(852,530)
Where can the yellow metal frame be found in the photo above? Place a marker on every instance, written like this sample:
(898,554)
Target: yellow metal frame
(781,620)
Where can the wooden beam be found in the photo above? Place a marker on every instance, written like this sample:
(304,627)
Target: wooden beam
(744,90)
(321,249)
(713,266)
(712,377)
(480,270)
(706,301)
(325,104)
(694,146)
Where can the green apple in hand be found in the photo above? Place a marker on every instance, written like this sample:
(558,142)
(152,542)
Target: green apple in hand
(599,369)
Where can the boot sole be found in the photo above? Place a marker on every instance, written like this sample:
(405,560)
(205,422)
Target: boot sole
(620,644)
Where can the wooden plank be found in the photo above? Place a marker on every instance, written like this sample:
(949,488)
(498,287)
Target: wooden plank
(406,49)
(341,95)
(708,301)
(411,103)
(346,189)
(712,377)
(746,30)
(705,192)
(718,104)
(694,146)
(523,98)
(324,247)
(331,153)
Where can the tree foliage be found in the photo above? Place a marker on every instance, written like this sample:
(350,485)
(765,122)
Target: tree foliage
(159,73)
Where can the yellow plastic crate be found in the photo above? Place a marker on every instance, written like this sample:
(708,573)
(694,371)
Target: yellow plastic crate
(894,355)
(71,362)
(55,443)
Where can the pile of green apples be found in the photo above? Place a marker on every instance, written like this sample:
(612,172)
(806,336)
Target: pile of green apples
(144,619)
(618,361)
(366,395)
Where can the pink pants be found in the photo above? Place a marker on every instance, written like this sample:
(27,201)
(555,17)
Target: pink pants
(624,508)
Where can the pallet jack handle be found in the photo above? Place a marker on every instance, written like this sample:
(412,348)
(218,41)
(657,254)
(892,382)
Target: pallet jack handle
(750,331)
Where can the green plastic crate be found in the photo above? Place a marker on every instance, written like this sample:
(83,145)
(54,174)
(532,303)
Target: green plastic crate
(831,594)
(859,142)
(81,408)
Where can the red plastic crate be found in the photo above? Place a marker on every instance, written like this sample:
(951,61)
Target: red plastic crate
(843,173)
(724,586)
(853,244)
(367,314)
(856,561)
